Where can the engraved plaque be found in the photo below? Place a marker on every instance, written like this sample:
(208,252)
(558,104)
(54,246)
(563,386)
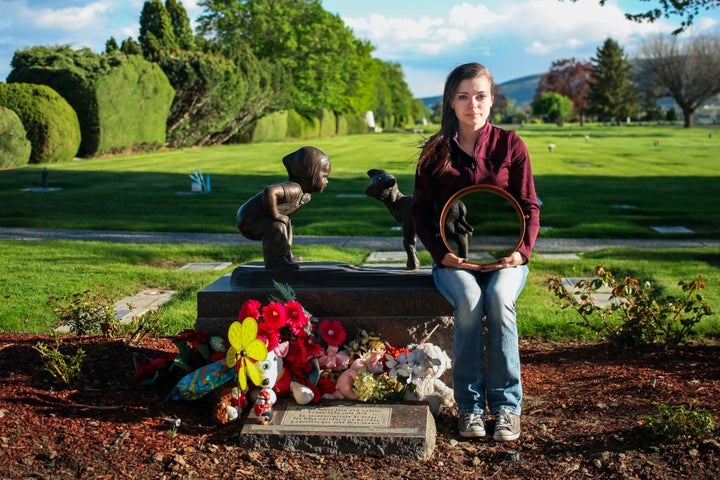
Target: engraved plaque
(338,416)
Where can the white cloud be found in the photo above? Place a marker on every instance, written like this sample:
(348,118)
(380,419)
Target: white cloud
(71,18)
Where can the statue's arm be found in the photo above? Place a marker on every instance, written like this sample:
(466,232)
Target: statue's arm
(279,194)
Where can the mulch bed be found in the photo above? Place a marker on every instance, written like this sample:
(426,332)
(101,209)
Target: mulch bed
(583,418)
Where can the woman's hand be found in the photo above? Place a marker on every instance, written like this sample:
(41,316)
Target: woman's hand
(512,260)
(453,261)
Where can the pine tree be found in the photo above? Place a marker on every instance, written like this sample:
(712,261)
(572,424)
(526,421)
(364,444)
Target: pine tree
(613,96)
(156,30)
(181,24)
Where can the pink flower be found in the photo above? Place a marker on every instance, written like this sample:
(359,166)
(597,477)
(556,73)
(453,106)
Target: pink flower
(251,308)
(274,315)
(296,317)
(332,332)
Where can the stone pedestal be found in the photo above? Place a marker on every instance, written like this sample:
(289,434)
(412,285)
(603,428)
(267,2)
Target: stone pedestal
(345,427)
(402,306)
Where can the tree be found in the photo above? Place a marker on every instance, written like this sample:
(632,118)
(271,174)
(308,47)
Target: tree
(612,94)
(130,47)
(685,9)
(688,71)
(156,30)
(111,46)
(181,25)
(570,78)
(554,106)
(327,67)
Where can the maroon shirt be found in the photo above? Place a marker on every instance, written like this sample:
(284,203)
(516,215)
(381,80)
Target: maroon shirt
(501,159)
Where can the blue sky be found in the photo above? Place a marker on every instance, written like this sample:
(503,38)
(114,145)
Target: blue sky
(514,38)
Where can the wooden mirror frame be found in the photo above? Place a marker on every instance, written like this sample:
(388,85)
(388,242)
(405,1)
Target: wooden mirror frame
(482,188)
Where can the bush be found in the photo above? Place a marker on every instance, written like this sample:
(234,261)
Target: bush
(355,124)
(302,127)
(50,122)
(645,318)
(64,367)
(672,422)
(271,128)
(121,101)
(86,313)
(133,103)
(328,123)
(14,145)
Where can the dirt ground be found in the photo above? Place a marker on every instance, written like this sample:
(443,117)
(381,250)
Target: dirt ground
(583,417)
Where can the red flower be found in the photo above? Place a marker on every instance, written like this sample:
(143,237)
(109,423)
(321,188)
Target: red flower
(296,356)
(192,337)
(332,332)
(274,315)
(296,317)
(312,348)
(251,308)
(149,370)
(326,385)
(271,335)
(395,352)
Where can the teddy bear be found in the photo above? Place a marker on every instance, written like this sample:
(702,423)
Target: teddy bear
(432,389)
(225,404)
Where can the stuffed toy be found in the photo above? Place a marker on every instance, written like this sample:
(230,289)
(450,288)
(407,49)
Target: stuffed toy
(224,402)
(431,388)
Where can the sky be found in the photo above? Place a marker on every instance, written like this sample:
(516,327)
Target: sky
(428,38)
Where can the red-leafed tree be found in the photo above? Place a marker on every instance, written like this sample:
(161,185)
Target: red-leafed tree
(570,78)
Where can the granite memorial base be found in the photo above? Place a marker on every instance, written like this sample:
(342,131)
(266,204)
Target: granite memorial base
(341,427)
(401,306)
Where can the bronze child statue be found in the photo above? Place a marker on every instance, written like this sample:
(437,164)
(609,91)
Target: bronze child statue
(266,216)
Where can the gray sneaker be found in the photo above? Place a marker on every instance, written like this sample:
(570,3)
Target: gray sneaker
(471,425)
(507,426)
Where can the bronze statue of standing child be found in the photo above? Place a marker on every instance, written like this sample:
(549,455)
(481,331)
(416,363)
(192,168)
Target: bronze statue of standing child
(266,216)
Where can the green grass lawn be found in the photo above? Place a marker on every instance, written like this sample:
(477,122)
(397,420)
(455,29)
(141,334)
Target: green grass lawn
(616,184)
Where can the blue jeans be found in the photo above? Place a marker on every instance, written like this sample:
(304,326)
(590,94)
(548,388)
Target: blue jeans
(478,383)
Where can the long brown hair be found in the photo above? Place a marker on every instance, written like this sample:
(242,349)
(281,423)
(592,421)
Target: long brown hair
(436,151)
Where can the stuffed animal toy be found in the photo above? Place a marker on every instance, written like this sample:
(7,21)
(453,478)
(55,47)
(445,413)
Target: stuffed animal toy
(224,401)
(432,389)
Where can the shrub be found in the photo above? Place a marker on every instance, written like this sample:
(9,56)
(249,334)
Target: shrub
(121,101)
(14,145)
(302,127)
(355,124)
(328,123)
(86,313)
(63,367)
(271,128)
(672,422)
(642,316)
(50,122)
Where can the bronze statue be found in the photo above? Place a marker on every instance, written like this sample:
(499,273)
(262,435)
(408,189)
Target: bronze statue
(383,186)
(266,216)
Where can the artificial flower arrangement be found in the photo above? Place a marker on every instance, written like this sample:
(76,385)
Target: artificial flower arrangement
(281,348)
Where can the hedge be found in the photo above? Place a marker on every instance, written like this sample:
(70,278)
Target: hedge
(271,128)
(301,127)
(121,101)
(14,145)
(50,122)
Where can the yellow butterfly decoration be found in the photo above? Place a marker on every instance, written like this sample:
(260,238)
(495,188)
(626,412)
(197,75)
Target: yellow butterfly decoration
(245,349)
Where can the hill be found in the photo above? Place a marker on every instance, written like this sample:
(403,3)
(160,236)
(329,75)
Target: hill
(520,89)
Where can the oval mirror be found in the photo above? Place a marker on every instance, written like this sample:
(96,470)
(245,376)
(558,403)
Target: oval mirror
(482,223)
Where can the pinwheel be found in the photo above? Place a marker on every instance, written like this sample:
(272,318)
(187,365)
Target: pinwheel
(245,349)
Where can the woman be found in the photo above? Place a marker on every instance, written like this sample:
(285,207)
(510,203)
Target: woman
(469,150)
